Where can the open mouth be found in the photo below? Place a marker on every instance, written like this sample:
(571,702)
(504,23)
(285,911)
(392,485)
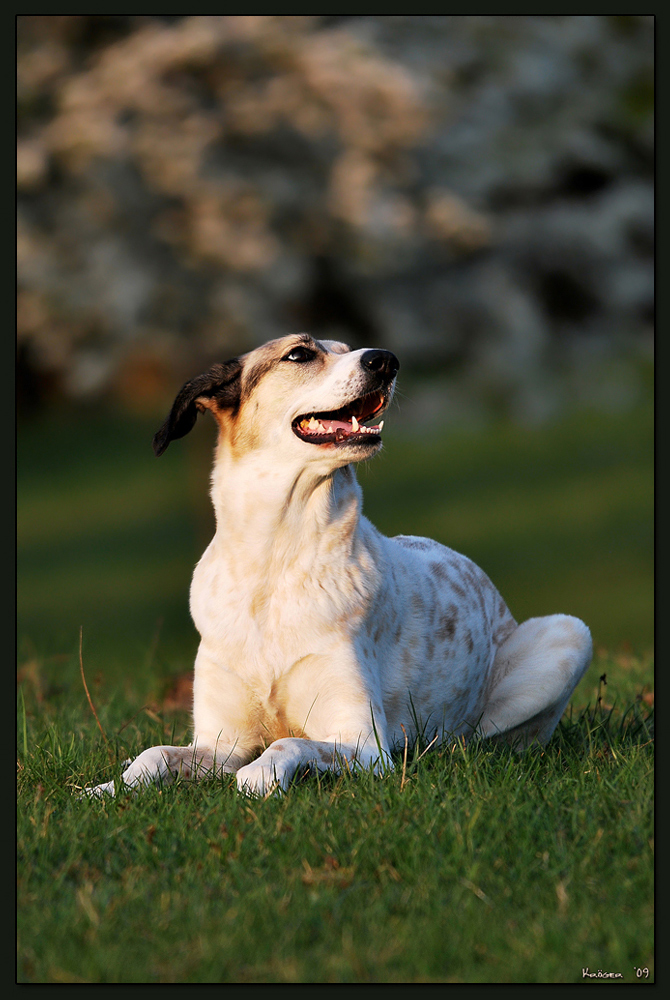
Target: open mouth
(346,425)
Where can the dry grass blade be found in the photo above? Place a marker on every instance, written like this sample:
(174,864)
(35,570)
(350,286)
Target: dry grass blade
(404,760)
(83,678)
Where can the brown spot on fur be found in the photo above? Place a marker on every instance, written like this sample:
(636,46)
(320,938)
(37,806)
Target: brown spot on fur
(413,543)
(326,756)
(439,570)
(475,584)
(447,629)
(393,706)
(417,603)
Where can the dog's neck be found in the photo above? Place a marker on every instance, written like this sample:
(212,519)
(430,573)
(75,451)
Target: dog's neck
(269,516)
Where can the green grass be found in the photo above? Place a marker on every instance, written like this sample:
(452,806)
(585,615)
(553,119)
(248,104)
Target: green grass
(465,865)
(475,865)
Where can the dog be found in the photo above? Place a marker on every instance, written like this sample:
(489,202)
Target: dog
(324,644)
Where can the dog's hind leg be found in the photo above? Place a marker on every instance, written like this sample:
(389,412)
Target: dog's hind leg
(163,764)
(533,676)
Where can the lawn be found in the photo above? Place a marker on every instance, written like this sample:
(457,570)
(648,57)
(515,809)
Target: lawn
(464,865)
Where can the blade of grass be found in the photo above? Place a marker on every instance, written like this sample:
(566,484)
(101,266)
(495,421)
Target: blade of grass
(90,701)
(24,726)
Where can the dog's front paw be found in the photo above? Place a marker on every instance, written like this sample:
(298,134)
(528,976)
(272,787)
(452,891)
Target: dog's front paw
(261,778)
(97,791)
(149,766)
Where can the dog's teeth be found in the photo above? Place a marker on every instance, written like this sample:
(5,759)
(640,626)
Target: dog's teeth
(379,428)
(312,425)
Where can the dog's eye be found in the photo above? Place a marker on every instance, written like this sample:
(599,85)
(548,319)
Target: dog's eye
(299,354)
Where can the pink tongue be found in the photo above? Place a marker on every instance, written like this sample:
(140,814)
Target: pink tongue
(332,426)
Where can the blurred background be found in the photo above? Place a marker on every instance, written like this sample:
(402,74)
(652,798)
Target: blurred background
(474,193)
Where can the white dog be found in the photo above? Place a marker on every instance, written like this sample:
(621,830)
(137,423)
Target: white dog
(323,643)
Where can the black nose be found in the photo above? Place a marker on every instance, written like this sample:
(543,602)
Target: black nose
(383,363)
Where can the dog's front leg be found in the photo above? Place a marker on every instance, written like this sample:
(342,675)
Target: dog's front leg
(342,718)
(278,764)
(163,764)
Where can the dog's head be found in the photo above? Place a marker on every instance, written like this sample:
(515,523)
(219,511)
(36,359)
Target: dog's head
(297,395)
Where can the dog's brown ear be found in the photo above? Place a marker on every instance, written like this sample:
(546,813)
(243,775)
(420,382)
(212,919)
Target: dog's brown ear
(221,384)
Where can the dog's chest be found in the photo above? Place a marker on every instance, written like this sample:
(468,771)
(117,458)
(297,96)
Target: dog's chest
(274,617)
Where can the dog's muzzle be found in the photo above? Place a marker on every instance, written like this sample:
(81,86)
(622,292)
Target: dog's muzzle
(347,425)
